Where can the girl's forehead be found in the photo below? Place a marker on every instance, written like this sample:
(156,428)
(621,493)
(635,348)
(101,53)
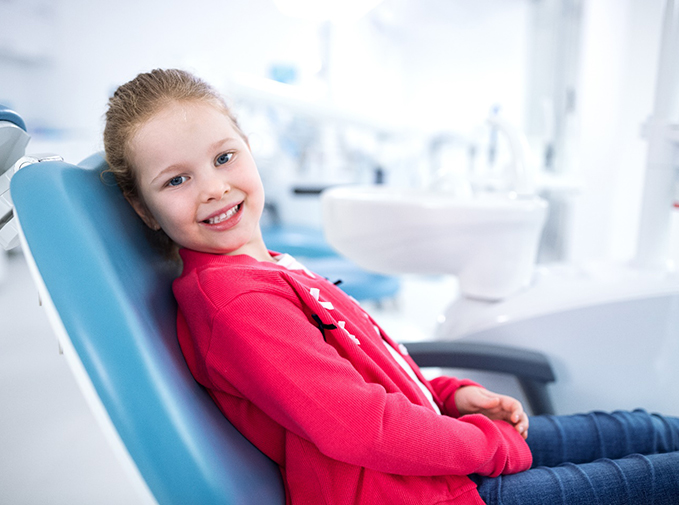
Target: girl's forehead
(178,119)
(184,112)
(178,134)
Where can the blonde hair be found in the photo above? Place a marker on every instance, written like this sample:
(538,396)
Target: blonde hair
(136,102)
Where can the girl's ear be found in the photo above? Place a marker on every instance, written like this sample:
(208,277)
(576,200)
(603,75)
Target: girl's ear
(143,212)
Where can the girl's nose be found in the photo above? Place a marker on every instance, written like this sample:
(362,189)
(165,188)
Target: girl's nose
(214,188)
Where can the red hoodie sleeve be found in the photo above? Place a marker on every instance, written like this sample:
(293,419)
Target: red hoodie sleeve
(279,361)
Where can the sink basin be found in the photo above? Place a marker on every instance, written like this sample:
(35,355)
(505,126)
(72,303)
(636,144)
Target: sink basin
(489,241)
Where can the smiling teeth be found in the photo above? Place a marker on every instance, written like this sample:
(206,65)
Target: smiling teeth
(223,217)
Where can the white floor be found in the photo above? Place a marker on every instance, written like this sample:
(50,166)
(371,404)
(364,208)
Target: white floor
(51,450)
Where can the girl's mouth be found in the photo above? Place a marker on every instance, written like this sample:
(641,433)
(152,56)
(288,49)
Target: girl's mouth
(224,215)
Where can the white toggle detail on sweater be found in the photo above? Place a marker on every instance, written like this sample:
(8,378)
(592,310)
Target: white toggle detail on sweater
(316,293)
(341,324)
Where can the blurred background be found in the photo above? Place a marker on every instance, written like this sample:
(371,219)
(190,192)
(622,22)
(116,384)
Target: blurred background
(390,91)
(368,88)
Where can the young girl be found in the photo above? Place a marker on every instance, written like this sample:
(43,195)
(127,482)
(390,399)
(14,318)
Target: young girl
(309,377)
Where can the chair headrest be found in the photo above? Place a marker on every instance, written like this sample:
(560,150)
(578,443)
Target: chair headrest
(7,114)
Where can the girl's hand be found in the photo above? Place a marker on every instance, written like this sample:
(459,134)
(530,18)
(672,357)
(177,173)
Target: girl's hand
(477,400)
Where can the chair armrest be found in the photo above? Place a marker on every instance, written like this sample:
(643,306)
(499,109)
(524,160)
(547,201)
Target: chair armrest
(531,368)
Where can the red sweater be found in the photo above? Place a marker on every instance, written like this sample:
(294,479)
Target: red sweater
(302,371)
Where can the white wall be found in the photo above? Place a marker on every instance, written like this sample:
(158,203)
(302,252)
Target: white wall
(463,58)
(620,51)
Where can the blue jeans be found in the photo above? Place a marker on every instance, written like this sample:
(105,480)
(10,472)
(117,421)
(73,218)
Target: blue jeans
(620,458)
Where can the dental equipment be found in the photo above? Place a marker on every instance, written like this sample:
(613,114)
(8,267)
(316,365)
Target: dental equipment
(13,142)
(489,240)
(661,161)
(612,330)
(522,166)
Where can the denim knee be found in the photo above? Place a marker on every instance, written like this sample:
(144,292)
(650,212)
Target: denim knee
(635,479)
(583,438)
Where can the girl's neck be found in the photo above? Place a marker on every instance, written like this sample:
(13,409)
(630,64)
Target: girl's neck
(257,249)
(262,256)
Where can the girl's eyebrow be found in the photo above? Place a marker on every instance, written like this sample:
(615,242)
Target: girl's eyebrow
(161,174)
(220,143)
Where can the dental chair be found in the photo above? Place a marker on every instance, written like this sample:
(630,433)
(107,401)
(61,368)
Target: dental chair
(108,296)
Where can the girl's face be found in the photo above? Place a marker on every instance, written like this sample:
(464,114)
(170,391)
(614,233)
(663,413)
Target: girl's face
(198,181)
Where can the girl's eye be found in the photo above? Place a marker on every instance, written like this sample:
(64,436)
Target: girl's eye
(224,158)
(176,181)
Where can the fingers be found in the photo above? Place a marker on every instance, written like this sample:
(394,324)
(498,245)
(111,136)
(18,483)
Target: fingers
(521,425)
(516,412)
(511,410)
(472,399)
(519,419)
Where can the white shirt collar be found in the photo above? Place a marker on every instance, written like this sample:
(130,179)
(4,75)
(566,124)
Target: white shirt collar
(287,261)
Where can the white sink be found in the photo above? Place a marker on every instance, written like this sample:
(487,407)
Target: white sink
(489,241)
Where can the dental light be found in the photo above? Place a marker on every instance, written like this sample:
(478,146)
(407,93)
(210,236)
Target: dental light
(327,10)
